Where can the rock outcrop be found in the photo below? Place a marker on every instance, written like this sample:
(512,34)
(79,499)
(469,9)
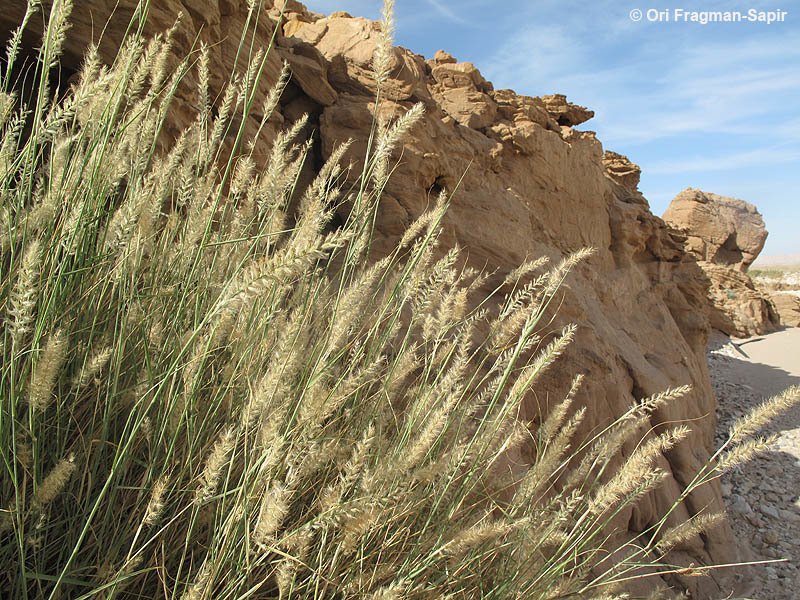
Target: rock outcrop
(526,184)
(787,308)
(782,287)
(566,113)
(725,235)
(622,170)
(741,308)
(720,230)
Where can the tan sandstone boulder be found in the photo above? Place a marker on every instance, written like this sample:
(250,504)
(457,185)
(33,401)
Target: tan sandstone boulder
(566,113)
(787,307)
(622,170)
(309,70)
(462,92)
(725,235)
(349,44)
(742,309)
(720,230)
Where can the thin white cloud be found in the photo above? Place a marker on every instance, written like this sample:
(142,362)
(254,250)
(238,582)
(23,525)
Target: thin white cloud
(772,155)
(739,103)
(534,58)
(441,7)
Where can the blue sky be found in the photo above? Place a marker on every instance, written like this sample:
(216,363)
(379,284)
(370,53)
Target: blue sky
(713,106)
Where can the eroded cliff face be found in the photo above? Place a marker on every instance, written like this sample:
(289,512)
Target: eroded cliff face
(526,183)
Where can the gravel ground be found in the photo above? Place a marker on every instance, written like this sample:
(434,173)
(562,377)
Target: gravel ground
(762,496)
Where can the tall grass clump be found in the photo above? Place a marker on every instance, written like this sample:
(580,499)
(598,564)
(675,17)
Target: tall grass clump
(209,391)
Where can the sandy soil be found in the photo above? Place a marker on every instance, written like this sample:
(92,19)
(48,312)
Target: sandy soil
(763,495)
(765,354)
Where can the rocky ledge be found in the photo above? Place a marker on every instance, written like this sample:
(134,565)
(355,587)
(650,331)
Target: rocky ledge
(726,235)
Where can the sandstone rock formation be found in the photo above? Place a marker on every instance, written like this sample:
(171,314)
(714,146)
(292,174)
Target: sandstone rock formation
(525,183)
(622,170)
(720,230)
(725,235)
(741,308)
(782,287)
(787,307)
(565,112)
